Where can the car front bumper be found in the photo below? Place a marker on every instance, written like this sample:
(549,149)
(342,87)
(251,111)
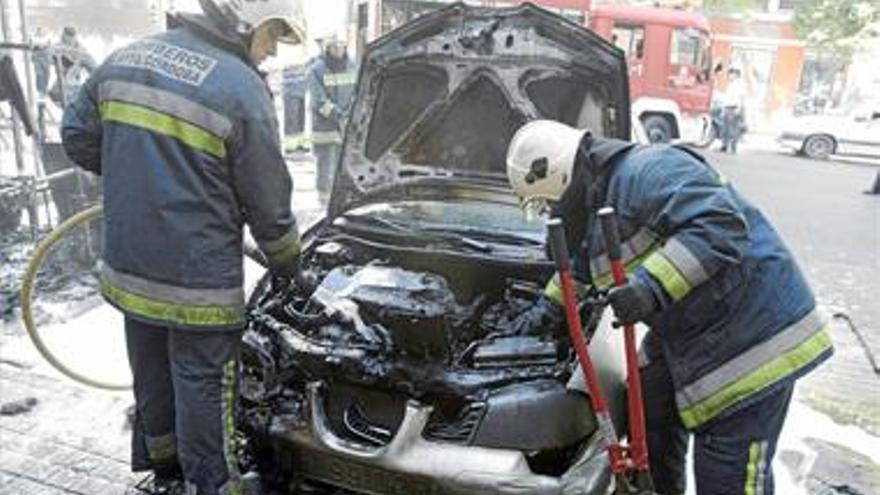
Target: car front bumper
(410,464)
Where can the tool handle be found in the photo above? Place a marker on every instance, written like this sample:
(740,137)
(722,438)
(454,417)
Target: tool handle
(638,448)
(611,233)
(559,249)
(558,244)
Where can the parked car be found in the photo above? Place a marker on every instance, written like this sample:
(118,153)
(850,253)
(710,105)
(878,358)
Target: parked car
(820,136)
(389,366)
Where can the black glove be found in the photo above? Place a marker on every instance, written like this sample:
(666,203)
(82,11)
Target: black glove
(632,302)
(543,317)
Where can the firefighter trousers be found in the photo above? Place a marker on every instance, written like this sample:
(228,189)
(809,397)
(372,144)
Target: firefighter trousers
(185,388)
(732,454)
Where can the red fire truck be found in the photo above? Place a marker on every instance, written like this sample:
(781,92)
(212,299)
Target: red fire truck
(669,53)
(670,69)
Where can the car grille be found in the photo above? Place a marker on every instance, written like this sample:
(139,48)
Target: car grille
(460,429)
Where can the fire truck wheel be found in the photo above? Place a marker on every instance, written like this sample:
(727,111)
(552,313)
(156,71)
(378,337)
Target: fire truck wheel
(658,129)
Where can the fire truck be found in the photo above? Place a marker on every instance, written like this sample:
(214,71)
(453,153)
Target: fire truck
(668,50)
(669,56)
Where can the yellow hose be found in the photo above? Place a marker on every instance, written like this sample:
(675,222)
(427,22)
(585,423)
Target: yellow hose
(27,289)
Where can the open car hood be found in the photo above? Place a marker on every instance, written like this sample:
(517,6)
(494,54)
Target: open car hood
(442,95)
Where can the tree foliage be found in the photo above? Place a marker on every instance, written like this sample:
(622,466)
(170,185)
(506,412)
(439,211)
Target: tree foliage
(838,26)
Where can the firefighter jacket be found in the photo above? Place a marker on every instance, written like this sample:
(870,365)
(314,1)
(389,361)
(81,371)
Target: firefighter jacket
(737,319)
(331,85)
(181,127)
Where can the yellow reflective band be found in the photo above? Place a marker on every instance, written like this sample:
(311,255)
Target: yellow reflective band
(326,109)
(757,380)
(607,278)
(553,291)
(177,313)
(234,487)
(752,468)
(162,449)
(668,275)
(340,79)
(292,143)
(151,120)
(330,137)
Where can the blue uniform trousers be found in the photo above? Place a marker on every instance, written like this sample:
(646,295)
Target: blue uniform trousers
(732,454)
(185,393)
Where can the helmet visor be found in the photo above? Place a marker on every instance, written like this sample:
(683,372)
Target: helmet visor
(535,207)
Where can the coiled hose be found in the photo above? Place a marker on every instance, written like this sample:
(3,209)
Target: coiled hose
(27,291)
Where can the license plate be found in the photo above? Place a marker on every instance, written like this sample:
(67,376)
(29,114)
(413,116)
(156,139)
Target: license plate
(364,478)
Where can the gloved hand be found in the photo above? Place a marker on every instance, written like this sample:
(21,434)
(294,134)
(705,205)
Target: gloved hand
(543,317)
(632,302)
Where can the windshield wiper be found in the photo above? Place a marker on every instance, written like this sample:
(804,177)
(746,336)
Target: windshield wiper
(492,235)
(366,222)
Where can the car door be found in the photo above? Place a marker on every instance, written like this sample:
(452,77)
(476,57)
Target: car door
(864,135)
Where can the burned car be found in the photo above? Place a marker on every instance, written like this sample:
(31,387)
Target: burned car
(389,366)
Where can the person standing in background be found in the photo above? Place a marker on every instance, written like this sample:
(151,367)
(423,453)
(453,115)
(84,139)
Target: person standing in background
(733,102)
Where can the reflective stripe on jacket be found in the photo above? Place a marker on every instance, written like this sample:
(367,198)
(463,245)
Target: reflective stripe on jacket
(738,318)
(183,131)
(332,93)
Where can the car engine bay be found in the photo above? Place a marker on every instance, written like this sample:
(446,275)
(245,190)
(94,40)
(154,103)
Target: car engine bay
(375,336)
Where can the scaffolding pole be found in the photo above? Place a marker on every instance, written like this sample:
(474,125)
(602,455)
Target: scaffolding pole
(16,125)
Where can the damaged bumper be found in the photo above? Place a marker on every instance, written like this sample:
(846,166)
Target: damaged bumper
(410,464)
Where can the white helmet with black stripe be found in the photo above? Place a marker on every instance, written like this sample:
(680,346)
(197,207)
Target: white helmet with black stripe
(245,16)
(540,159)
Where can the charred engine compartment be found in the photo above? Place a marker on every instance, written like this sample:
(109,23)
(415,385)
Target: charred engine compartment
(376,328)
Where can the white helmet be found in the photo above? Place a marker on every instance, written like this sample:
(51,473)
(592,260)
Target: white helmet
(540,159)
(247,15)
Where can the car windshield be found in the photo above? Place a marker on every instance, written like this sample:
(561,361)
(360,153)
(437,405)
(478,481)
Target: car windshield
(465,216)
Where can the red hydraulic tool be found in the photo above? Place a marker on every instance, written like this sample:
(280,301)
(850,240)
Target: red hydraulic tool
(628,463)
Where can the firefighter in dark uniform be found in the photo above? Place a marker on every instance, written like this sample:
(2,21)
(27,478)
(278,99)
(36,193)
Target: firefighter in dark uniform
(182,129)
(733,322)
(331,85)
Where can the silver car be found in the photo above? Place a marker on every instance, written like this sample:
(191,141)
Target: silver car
(389,366)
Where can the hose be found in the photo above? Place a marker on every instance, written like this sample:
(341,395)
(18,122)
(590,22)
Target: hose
(27,289)
(863,343)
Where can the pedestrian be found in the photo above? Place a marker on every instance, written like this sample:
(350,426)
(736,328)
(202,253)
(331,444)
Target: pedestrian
(182,128)
(733,101)
(732,320)
(294,91)
(331,84)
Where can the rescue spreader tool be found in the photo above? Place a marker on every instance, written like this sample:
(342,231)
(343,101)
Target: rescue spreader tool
(629,463)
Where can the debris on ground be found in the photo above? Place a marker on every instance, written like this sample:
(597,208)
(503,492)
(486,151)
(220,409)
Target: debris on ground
(18,407)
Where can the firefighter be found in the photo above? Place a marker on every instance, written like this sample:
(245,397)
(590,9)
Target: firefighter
(331,83)
(732,320)
(182,128)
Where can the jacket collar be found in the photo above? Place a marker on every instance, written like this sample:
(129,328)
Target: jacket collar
(209,30)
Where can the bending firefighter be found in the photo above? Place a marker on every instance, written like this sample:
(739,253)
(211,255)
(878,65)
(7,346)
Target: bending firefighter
(331,83)
(732,321)
(181,127)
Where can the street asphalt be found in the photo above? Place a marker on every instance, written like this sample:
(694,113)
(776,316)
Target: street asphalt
(74,440)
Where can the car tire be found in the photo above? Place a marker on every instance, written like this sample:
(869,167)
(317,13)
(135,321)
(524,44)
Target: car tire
(657,129)
(819,146)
